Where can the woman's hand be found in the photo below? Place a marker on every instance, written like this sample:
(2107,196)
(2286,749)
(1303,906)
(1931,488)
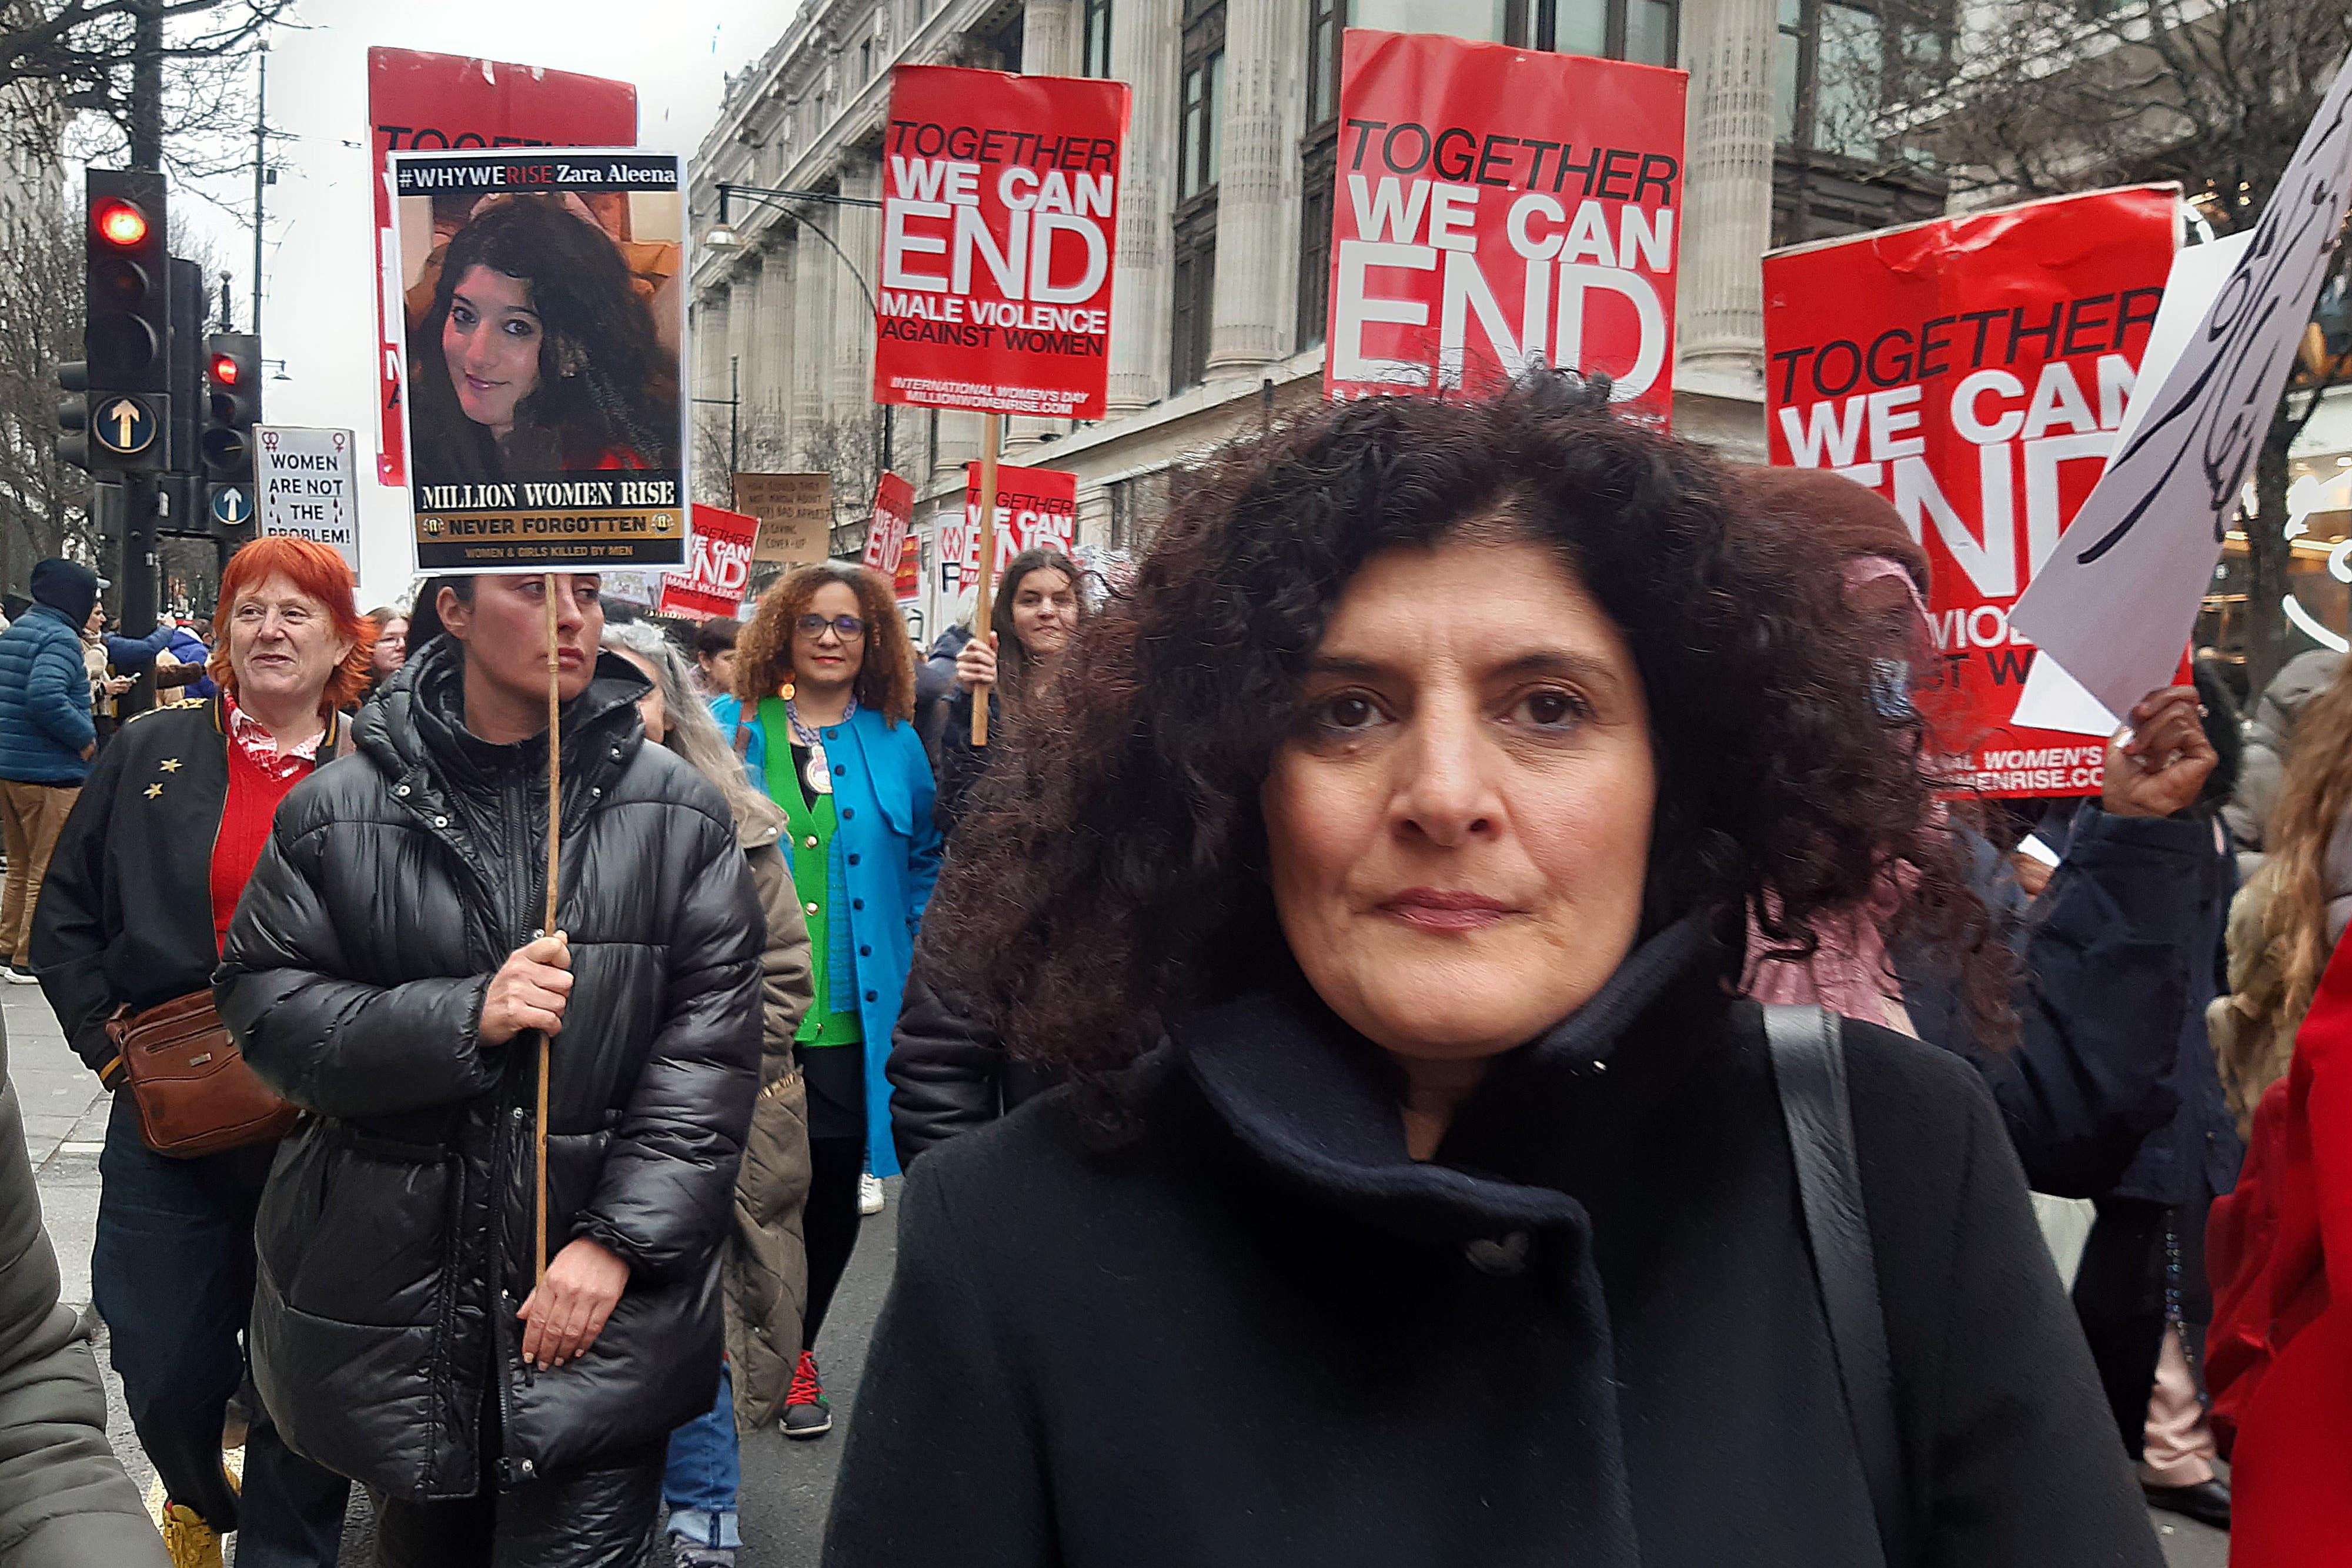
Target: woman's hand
(569,1309)
(976,664)
(2157,766)
(528,991)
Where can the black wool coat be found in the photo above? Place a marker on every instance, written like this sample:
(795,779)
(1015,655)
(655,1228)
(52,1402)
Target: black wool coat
(395,1237)
(1257,1333)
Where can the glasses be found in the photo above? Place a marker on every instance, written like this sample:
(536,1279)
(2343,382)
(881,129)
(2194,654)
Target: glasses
(849,628)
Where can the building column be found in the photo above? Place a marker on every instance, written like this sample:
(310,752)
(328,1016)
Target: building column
(747,297)
(1257,252)
(1049,38)
(1726,212)
(959,435)
(1049,47)
(1144,42)
(858,232)
(813,312)
(768,377)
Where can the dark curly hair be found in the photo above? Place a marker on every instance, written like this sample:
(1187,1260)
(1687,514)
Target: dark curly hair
(606,392)
(1110,872)
(763,654)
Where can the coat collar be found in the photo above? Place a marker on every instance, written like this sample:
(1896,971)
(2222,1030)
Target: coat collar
(1313,1099)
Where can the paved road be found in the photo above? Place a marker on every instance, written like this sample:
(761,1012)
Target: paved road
(785,1485)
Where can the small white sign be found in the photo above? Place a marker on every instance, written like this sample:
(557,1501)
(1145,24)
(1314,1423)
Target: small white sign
(305,477)
(2116,603)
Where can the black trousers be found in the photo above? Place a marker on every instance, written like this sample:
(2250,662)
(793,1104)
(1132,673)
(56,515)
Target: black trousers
(599,1517)
(829,1224)
(2136,1254)
(173,1272)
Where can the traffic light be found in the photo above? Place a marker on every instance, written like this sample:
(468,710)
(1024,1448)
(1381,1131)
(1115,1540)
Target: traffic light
(73,412)
(127,331)
(233,380)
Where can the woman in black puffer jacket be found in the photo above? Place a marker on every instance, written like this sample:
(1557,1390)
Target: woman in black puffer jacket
(388,942)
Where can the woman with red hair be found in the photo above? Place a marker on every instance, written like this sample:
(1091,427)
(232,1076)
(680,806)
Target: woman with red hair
(146,875)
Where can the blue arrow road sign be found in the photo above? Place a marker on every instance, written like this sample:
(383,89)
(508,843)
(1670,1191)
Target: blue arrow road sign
(124,425)
(232,507)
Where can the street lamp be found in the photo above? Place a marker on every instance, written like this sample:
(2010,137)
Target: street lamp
(721,236)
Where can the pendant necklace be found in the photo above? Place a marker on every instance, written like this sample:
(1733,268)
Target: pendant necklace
(818,773)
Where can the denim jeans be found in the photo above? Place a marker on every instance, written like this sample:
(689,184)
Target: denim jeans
(704,1473)
(173,1272)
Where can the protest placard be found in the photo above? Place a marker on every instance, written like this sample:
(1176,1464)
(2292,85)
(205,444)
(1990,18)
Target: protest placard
(305,479)
(424,102)
(546,431)
(719,566)
(795,513)
(1497,204)
(885,536)
(2113,606)
(1974,370)
(1000,214)
(1036,508)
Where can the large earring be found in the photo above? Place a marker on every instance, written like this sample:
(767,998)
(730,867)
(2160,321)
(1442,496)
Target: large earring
(788,688)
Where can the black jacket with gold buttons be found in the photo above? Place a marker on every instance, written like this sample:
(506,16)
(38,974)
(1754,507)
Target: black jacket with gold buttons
(126,913)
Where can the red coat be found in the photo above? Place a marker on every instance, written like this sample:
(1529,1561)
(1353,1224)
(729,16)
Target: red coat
(2292,1474)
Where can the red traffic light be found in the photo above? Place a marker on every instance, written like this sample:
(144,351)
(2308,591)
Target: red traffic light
(121,223)
(225,370)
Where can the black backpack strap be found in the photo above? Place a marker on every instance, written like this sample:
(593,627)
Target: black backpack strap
(1809,1067)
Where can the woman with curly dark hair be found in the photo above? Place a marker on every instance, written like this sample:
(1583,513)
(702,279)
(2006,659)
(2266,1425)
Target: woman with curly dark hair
(1381,872)
(538,357)
(824,694)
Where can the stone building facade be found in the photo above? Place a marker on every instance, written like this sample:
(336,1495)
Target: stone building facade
(1223,226)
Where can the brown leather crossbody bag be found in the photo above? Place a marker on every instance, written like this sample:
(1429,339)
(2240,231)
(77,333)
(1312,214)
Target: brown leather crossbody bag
(194,1093)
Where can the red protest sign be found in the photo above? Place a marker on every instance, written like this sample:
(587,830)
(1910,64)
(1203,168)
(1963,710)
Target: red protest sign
(906,578)
(1496,204)
(1036,508)
(718,566)
(885,536)
(425,102)
(1000,210)
(1973,371)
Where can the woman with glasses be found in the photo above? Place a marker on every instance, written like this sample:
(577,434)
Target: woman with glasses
(825,696)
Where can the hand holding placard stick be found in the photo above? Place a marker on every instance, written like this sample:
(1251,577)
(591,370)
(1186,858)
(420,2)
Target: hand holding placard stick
(554,812)
(991,429)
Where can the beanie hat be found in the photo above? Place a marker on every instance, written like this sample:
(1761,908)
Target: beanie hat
(1849,520)
(66,587)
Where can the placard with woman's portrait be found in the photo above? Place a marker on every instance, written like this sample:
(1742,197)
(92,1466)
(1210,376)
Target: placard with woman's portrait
(545,307)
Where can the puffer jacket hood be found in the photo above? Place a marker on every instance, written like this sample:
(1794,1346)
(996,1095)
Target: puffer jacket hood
(2270,741)
(394,1240)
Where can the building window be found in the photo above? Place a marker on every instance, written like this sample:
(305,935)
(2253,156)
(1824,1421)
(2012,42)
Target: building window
(1095,39)
(1642,31)
(1138,506)
(1838,67)
(1199,146)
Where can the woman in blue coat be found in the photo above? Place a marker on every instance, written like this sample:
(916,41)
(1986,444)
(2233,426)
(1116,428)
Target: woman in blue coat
(821,715)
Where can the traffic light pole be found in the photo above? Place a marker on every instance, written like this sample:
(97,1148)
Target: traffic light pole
(137,575)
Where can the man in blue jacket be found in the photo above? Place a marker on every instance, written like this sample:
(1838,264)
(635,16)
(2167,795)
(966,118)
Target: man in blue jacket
(46,738)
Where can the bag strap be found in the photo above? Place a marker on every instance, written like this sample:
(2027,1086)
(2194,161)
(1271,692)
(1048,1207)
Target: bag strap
(1808,1054)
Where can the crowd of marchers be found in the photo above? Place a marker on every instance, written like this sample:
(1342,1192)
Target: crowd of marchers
(1453,1019)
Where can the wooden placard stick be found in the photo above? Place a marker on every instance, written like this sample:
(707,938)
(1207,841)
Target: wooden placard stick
(554,815)
(991,433)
